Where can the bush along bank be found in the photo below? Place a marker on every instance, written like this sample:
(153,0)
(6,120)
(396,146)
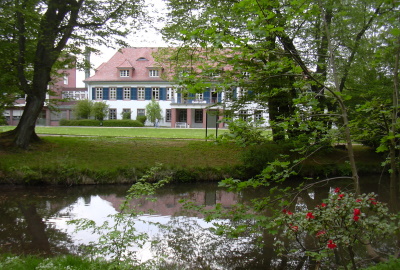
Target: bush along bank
(98,123)
(73,176)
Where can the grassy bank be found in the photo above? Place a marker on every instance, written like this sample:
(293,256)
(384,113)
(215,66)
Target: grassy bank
(10,262)
(81,155)
(170,133)
(79,160)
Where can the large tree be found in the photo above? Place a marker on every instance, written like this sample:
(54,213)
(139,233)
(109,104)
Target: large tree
(292,48)
(43,33)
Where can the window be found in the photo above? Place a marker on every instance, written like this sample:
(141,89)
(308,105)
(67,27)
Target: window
(74,95)
(198,116)
(258,115)
(99,93)
(243,114)
(246,74)
(153,73)
(112,114)
(155,93)
(141,112)
(170,93)
(124,73)
(228,95)
(182,116)
(127,93)
(140,93)
(67,95)
(168,115)
(241,92)
(199,96)
(214,95)
(113,93)
(65,79)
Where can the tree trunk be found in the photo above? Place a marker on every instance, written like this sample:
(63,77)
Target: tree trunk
(394,167)
(36,228)
(25,131)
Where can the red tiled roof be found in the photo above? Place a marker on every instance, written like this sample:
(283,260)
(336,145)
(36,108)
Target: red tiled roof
(139,59)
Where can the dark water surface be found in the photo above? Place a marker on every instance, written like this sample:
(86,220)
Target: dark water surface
(34,220)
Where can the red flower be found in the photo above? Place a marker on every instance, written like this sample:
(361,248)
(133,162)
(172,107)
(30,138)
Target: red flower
(356,218)
(356,212)
(373,201)
(323,204)
(320,233)
(287,212)
(340,196)
(337,190)
(294,228)
(331,245)
(310,215)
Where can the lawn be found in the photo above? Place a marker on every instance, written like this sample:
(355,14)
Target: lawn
(147,132)
(105,153)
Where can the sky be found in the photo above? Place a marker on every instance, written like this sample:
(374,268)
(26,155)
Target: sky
(148,37)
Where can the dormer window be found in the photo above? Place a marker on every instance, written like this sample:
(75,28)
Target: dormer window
(142,59)
(154,73)
(124,73)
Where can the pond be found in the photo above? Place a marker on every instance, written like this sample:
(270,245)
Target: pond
(34,220)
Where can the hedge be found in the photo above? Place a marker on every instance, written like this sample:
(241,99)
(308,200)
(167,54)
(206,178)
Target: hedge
(105,123)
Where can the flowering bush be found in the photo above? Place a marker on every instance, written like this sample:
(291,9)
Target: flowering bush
(338,225)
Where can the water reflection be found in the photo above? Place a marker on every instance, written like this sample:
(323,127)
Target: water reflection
(34,220)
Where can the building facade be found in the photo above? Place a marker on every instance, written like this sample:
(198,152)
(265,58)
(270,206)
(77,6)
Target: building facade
(58,105)
(132,78)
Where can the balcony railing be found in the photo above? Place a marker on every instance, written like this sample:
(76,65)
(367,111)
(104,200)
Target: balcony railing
(186,100)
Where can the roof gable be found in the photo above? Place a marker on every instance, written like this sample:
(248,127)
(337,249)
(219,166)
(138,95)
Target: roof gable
(142,60)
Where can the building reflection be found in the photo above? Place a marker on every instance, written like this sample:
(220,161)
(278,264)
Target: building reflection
(171,204)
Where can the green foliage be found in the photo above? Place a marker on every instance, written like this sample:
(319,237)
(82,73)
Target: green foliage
(393,264)
(244,133)
(106,123)
(126,115)
(141,118)
(84,122)
(371,122)
(153,111)
(69,262)
(83,109)
(2,118)
(100,110)
(122,123)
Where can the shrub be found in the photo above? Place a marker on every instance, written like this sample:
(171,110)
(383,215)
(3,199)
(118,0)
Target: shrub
(100,110)
(141,118)
(83,109)
(96,123)
(83,122)
(339,226)
(244,133)
(256,157)
(122,123)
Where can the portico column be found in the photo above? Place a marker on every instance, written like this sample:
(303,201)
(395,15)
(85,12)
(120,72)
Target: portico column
(204,118)
(189,117)
(48,117)
(173,117)
(11,123)
(221,116)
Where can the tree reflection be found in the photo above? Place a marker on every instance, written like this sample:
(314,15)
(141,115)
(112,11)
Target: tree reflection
(24,225)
